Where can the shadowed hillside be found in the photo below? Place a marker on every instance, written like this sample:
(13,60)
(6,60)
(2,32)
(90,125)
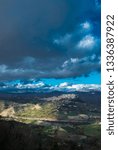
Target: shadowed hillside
(19,136)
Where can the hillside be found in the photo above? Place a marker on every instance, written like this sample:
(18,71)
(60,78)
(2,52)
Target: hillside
(58,121)
(62,107)
(19,136)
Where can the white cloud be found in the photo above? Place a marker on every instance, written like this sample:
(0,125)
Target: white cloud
(87,42)
(65,84)
(77,87)
(68,37)
(63,40)
(74,60)
(86,25)
(30,85)
(83,87)
(70,62)
(65,64)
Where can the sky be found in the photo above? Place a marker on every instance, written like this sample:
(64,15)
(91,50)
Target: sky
(50,41)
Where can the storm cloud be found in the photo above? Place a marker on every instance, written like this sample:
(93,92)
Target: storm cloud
(49,38)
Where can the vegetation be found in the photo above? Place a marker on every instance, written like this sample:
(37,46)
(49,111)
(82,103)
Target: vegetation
(47,110)
(2,106)
(57,123)
(91,130)
(19,136)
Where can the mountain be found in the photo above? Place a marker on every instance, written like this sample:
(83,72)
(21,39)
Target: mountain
(55,105)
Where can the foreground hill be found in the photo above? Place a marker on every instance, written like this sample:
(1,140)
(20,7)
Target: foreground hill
(19,136)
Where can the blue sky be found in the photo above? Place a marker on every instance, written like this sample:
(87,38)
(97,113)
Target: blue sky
(93,78)
(53,41)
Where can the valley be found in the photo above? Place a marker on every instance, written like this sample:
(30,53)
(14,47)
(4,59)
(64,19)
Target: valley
(61,119)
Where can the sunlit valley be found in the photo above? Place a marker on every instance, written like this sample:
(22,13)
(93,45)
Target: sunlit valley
(55,120)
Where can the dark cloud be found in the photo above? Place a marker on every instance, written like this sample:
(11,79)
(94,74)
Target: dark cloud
(38,36)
